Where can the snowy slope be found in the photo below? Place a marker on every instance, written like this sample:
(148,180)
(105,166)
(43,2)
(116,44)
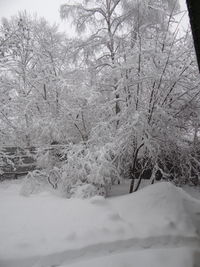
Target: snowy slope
(160,209)
(48,229)
(173,257)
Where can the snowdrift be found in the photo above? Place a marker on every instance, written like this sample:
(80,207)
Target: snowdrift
(43,226)
(173,257)
(160,209)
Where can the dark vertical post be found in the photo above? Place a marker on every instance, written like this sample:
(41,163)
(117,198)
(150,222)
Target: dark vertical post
(194,14)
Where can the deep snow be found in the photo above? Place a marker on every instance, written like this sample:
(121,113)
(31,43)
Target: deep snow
(173,257)
(46,230)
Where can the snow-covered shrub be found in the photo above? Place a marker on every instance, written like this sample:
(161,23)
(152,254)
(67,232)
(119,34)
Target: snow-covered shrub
(155,151)
(35,182)
(54,177)
(43,159)
(50,156)
(181,163)
(87,171)
(89,165)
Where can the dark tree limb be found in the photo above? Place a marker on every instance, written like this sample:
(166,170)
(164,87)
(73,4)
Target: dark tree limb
(134,165)
(194,14)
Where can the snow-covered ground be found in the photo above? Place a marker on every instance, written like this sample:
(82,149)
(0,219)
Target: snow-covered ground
(157,226)
(173,257)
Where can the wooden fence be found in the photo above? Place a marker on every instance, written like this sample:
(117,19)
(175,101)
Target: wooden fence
(16,161)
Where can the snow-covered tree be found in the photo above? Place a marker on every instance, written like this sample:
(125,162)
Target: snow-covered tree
(142,66)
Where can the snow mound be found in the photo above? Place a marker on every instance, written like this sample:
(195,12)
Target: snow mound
(45,225)
(162,208)
(174,257)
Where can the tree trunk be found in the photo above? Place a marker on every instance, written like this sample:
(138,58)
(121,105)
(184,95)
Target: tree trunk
(134,165)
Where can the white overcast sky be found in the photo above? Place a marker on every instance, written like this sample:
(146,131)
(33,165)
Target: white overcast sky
(48,9)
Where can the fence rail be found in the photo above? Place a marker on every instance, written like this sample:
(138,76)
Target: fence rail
(18,161)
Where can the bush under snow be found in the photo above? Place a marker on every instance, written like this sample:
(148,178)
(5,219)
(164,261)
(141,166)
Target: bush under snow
(86,172)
